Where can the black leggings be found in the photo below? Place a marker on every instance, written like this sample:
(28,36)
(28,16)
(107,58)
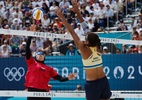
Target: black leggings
(37,98)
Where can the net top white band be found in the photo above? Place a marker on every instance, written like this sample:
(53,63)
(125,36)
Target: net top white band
(66,94)
(66,36)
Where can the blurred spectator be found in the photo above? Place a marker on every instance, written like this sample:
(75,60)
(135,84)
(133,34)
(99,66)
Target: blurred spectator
(16,24)
(70,11)
(124,49)
(90,24)
(18,13)
(91,16)
(4,23)
(140,49)
(45,1)
(33,25)
(101,15)
(130,49)
(78,88)
(34,48)
(130,3)
(8,47)
(135,50)
(53,9)
(45,8)
(96,26)
(22,39)
(22,50)
(64,4)
(89,7)
(140,34)
(2,9)
(133,29)
(136,36)
(0,41)
(79,30)
(17,21)
(35,3)
(118,51)
(83,11)
(109,15)
(74,24)
(140,16)
(56,1)
(138,27)
(69,18)
(140,21)
(71,50)
(56,42)
(5,38)
(100,30)
(105,50)
(39,42)
(2,3)
(91,10)
(4,52)
(118,7)
(122,26)
(47,46)
(45,21)
(7,14)
(95,4)
(57,23)
(1,19)
(16,4)
(134,22)
(26,3)
(14,41)
(27,19)
(55,29)
(96,13)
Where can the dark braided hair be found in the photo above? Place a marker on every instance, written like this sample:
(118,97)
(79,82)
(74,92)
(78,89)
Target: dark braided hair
(93,40)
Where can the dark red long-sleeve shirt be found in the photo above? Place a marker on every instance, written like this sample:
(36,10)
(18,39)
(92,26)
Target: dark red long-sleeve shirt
(38,74)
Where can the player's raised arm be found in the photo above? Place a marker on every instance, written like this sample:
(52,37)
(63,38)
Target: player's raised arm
(64,79)
(76,10)
(77,40)
(28,51)
(79,16)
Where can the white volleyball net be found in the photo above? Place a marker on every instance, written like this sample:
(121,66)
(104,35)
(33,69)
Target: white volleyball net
(124,72)
(68,94)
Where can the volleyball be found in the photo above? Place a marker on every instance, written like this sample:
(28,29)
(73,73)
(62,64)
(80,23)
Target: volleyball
(37,13)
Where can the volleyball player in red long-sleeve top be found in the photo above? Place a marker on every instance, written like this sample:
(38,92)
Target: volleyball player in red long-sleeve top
(38,74)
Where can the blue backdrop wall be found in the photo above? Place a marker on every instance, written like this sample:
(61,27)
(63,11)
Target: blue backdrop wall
(123,71)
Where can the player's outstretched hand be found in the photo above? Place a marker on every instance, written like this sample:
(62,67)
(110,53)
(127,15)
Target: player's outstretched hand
(59,12)
(50,86)
(75,6)
(71,76)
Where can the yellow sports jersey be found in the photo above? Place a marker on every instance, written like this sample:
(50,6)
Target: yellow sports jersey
(94,61)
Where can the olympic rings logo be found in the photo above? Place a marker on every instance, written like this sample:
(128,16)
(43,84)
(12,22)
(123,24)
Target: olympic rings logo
(14,73)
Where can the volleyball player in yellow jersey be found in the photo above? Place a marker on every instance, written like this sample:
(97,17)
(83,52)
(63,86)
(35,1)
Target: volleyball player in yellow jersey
(96,86)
